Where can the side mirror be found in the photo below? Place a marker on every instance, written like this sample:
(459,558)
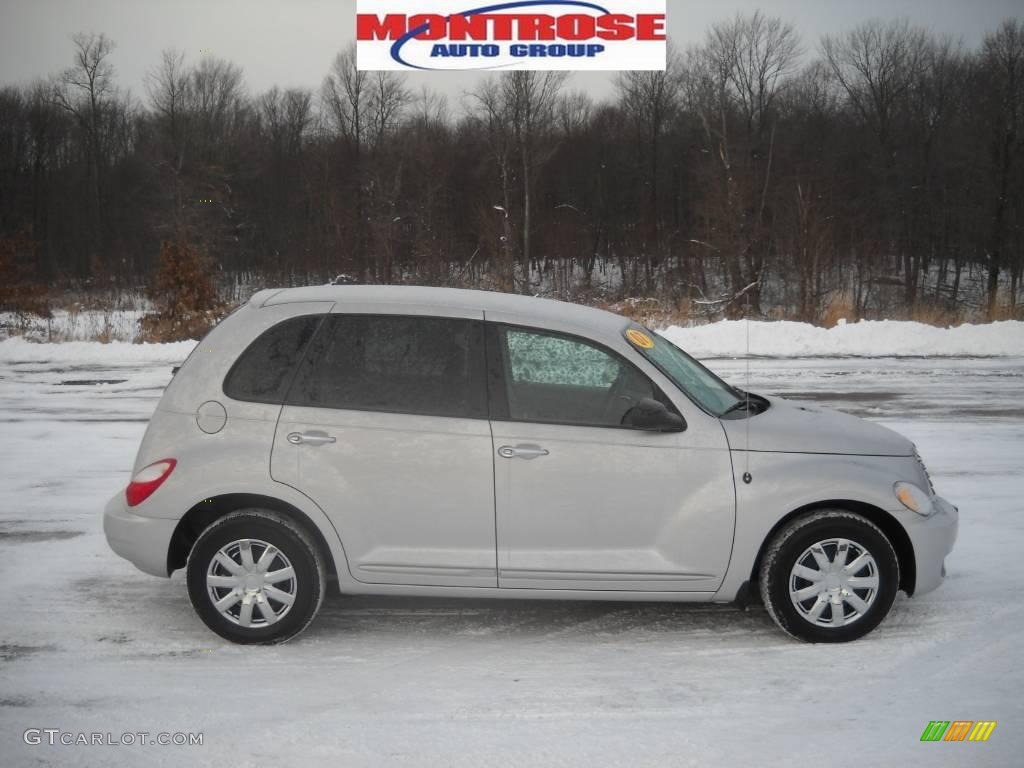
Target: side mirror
(652,415)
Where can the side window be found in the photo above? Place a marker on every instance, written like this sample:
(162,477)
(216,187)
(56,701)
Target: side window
(263,371)
(563,380)
(536,358)
(430,366)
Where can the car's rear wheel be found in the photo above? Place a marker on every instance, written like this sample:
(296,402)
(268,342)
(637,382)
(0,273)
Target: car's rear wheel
(255,577)
(829,577)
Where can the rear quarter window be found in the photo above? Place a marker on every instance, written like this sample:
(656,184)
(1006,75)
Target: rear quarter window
(264,370)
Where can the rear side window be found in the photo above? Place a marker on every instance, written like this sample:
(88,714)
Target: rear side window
(263,372)
(429,366)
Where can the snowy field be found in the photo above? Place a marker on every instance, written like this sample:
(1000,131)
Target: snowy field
(78,325)
(87,643)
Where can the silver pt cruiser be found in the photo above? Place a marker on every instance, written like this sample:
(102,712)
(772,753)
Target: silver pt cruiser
(439,442)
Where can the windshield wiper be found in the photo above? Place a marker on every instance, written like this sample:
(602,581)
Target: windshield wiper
(749,402)
(742,404)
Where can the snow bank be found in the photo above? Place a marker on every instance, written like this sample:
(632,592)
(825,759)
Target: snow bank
(87,352)
(728,338)
(83,325)
(868,338)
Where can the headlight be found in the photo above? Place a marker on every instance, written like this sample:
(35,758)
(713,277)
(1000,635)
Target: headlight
(913,498)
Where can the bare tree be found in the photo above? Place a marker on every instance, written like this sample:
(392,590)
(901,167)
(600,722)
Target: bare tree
(650,100)
(732,82)
(47,128)
(216,94)
(575,111)
(83,91)
(876,63)
(529,100)
(346,91)
(851,184)
(168,86)
(389,97)
(364,108)
(932,103)
(430,108)
(491,113)
(1002,65)
(759,53)
(286,116)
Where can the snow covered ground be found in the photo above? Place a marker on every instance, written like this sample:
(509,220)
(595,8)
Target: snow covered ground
(78,325)
(87,643)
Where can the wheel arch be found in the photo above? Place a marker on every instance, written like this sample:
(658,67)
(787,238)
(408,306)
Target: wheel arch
(888,524)
(205,512)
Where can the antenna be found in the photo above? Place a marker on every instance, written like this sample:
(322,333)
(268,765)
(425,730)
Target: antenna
(746,393)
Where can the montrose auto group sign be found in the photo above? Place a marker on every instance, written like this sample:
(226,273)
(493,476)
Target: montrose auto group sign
(520,34)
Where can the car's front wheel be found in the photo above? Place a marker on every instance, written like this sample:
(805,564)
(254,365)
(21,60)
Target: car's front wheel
(829,577)
(255,577)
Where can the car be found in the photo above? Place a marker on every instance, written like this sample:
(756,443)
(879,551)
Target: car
(455,443)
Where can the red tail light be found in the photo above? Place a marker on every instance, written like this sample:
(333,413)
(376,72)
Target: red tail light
(147,480)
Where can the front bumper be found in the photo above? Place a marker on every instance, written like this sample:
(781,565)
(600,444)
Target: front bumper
(143,541)
(933,538)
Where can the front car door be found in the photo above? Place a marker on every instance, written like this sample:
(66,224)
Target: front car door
(582,502)
(385,428)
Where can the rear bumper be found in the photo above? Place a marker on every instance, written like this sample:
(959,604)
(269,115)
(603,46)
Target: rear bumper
(933,538)
(143,541)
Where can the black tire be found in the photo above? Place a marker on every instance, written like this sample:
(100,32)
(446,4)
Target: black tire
(790,544)
(307,589)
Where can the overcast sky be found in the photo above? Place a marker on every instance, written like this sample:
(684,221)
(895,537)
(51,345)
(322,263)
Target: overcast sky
(292,42)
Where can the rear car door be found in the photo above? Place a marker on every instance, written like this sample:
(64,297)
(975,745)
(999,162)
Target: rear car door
(584,503)
(385,428)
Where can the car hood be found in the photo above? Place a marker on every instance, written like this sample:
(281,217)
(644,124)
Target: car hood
(798,427)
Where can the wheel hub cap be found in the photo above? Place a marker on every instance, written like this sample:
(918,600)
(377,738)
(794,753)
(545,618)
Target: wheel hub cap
(834,582)
(251,583)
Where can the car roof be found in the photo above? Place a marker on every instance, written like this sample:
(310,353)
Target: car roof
(535,309)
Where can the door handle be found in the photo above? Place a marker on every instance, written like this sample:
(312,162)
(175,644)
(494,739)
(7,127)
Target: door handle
(310,438)
(521,451)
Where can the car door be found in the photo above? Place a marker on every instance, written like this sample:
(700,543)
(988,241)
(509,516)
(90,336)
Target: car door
(584,503)
(385,428)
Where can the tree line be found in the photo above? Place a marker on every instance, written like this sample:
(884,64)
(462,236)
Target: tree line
(759,173)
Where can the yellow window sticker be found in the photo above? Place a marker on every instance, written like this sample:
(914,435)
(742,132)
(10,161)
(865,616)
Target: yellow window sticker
(640,339)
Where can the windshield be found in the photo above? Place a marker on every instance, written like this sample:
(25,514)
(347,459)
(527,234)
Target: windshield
(702,386)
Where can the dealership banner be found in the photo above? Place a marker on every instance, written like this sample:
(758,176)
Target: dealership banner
(519,34)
